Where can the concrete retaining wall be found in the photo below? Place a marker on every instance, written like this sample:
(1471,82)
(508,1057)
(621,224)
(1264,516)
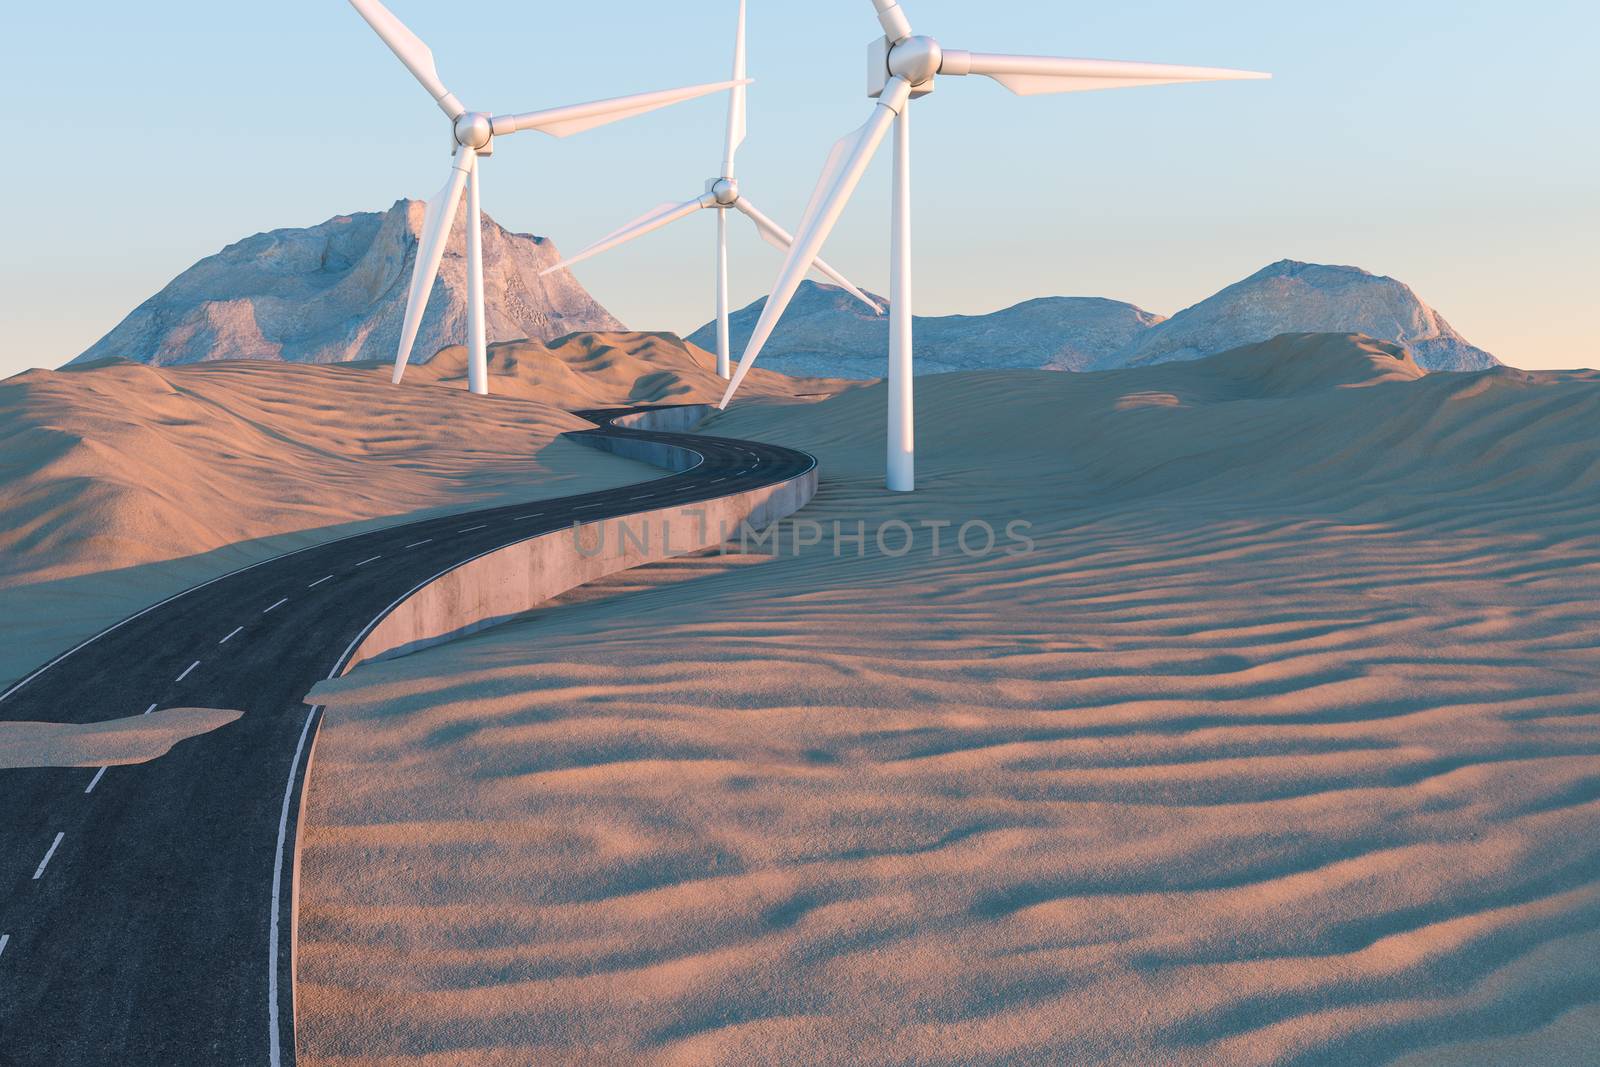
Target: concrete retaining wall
(656,453)
(510,581)
(682,419)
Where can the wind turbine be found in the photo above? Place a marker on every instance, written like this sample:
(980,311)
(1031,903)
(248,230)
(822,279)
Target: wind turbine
(900,68)
(721,193)
(473,134)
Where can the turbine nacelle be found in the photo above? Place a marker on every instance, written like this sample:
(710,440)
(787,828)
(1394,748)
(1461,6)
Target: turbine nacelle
(916,59)
(474,130)
(724,191)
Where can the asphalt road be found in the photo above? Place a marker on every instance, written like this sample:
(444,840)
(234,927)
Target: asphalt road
(147,912)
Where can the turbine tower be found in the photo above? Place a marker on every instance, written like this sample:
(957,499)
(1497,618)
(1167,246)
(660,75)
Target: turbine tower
(473,134)
(721,193)
(903,67)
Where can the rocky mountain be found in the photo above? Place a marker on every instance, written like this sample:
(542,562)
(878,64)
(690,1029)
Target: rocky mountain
(828,333)
(337,292)
(1293,297)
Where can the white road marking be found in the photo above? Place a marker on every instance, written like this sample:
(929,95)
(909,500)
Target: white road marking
(97,776)
(319,581)
(151,708)
(279,604)
(186,671)
(469,529)
(585,507)
(534,515)
(374,559)
(714,481)
(645,497)
(231,636)
(4,938)
(419,544)
(59,835)
(275,1056)
(81,645)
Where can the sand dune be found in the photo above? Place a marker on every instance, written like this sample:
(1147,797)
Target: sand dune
(1279,748)
(613,368)
(124,483)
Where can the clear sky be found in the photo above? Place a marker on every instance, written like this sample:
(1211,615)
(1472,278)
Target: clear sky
(1448,143)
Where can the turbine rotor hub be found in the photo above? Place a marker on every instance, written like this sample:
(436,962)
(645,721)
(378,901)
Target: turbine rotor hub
(916,59)
(726,192)
(474,130)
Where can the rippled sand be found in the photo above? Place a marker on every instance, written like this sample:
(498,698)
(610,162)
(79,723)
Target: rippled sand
(1281,747)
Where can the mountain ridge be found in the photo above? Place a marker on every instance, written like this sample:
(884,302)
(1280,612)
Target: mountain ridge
(336,293)
(1290,296)
(824,333)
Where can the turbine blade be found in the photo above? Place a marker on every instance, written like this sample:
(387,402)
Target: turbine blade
(778,237)
(895,25)
(846,164)
(844,283)
(575,118)
(657,217)
(736,101)
(1030,75)
(417,57)
(436,220)
(832,167)
(770,231)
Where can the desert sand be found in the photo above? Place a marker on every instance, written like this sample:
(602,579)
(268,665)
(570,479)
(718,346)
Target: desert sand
(1279,747)
(124,484)
(112,742)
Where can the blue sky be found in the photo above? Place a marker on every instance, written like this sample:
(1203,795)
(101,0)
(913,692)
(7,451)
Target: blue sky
(1449,144)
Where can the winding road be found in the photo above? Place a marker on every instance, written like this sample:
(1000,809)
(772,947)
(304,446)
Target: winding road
(148,910)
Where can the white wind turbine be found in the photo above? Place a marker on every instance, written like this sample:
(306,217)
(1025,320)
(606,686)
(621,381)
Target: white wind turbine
(902,67)
(722,193)
(473,133)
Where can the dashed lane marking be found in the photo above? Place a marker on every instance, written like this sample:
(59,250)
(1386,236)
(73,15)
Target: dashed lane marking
(374,559)
(279,604)
(4,939)
(319,581)
(419,544)
(231,636)
(469,529)
(186,671)
(40,872)
(151,708)
(95,781)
